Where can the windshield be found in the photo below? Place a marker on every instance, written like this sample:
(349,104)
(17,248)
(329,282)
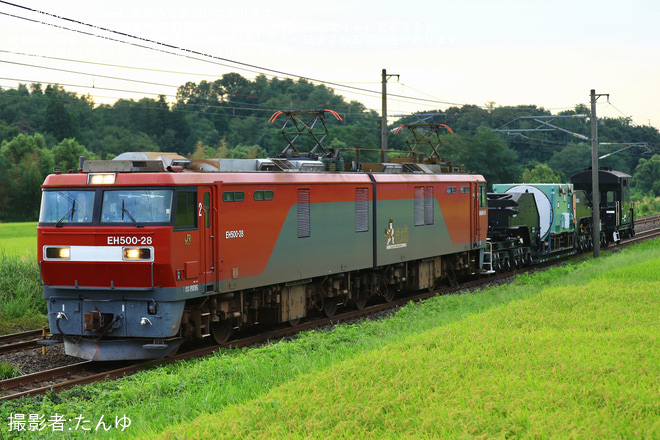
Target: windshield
(136,206)
(66,206)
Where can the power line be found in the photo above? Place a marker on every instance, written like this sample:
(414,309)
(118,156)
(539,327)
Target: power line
(227,106)
(170,47)
(140,81)
(126,79)
(94,75)
(186,53)
(393,97)
(229,110)
(87,74)
(146,69)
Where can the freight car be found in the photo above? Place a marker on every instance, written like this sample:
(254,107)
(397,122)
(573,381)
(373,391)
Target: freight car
(533,223)
(541,228)
(142,253)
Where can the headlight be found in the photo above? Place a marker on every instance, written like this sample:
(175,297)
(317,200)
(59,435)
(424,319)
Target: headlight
(101,179)
(133,254)
(57,252)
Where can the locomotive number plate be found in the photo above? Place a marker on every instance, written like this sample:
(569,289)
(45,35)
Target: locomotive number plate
(129,240)
(234,234)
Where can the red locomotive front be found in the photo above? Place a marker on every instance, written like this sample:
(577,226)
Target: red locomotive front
(112,274)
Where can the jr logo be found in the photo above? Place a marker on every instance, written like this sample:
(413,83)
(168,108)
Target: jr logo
(188,240)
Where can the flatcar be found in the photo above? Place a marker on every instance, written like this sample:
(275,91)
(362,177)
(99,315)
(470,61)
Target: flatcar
(142,253)
(532,223)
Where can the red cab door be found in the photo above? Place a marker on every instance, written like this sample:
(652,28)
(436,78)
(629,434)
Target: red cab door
(207,221)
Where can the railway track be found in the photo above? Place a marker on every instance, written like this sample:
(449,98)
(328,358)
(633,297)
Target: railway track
(641,236)
(59,379)
(20,341)
(648,221)
(41,382)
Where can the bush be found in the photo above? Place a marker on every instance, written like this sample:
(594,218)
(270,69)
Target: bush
(20,287)
(647,206)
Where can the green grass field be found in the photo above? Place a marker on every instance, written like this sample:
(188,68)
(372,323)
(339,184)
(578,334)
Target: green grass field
(22,306)
(576,361)
(571,352)
(18,238)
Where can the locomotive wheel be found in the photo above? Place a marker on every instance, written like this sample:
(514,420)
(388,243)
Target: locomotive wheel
(451,277)
(329,306)
(388,294)
(221,331)
(361,302)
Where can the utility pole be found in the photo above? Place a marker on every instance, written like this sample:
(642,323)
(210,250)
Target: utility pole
(383,133)
(595,190)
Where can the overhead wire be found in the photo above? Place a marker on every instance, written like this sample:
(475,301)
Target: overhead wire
(95,75)
(152,83)
(229,109)
(87,74)
(176,108)
(617,109)
(146,69)
(187,53)
(171,47)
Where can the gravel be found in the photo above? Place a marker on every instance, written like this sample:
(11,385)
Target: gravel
(33,361)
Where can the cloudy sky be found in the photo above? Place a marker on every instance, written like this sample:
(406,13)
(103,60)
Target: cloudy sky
(550,54)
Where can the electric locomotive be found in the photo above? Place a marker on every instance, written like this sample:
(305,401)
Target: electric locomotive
(144,252)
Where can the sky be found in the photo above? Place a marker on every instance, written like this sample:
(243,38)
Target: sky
(548,54)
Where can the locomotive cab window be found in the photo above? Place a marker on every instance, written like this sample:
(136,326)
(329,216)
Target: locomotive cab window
(137,206)
(483,196)
(186,210)
(207,209)
(66,206)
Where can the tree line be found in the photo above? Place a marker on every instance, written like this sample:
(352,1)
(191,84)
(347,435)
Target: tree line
(43,128)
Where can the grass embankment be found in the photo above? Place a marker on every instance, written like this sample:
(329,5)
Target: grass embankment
(567,353)
(22,306)
(574,361)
